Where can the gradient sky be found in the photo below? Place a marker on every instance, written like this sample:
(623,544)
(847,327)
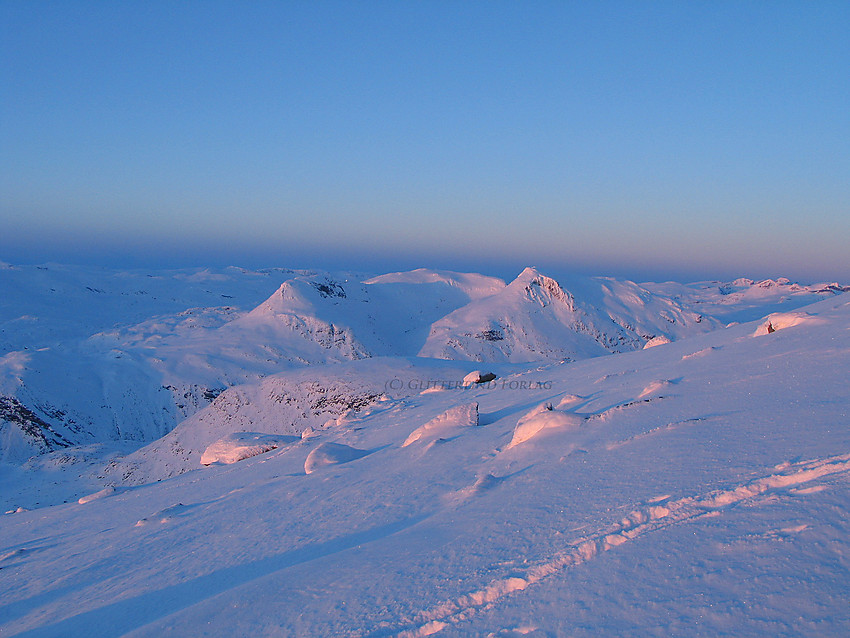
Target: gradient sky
(675,140)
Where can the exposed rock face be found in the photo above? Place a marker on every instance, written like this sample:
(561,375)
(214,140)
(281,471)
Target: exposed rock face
(542,289)
(329,288)
(22,430)
(476,377)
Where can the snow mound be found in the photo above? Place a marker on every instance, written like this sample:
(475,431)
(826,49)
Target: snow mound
(331,454)
(476,376)
(465,415)
(165,516)
(700,353)
(433,389)
(782,320)
(541,418)
(568,400)
(107,491)
(654,387)
(660,340)
(243,445)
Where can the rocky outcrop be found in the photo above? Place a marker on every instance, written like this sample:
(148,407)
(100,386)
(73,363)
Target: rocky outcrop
(23,432)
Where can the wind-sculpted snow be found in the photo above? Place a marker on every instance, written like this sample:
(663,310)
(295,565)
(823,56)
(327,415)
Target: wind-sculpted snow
(243,445)
(476,376)
(460,416)
(106,492)
(331,454)
(699,488)
(541,418)
(781,320)
(657,341)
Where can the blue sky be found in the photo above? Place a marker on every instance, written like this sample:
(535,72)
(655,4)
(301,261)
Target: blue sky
(651,140)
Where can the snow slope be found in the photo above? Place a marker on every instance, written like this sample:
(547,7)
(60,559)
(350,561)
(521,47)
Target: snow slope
(696,488)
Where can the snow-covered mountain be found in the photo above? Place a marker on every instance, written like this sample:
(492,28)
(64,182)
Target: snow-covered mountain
(137,380)
(534,318)
(384,497)
(41,306)
(92,355)
(745,299)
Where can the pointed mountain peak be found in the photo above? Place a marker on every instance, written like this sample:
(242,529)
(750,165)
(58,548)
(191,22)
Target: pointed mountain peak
(539,287)
(293,296)
(529,273)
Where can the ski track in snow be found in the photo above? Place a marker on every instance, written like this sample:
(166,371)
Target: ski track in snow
(655,514)
(656,430)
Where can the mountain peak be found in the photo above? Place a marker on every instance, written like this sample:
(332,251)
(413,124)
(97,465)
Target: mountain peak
(541,288)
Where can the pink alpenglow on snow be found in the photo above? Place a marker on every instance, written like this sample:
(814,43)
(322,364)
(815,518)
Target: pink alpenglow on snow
(243,445)
(342,506)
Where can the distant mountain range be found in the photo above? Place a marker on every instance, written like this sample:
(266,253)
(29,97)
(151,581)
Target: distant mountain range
(92,355)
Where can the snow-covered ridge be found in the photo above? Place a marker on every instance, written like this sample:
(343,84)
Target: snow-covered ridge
(535,318)
(746,299)
(92,355)
(542,289)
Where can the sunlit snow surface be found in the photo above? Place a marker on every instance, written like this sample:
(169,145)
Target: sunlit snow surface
(700,487)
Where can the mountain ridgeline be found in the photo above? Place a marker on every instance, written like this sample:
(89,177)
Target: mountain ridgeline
(92,355)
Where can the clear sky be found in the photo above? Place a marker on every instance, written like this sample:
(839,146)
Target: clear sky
(677,140)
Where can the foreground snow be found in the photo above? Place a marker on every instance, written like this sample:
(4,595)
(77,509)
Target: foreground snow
(699,487)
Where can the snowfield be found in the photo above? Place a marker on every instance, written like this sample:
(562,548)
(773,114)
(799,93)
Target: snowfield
(362,483)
